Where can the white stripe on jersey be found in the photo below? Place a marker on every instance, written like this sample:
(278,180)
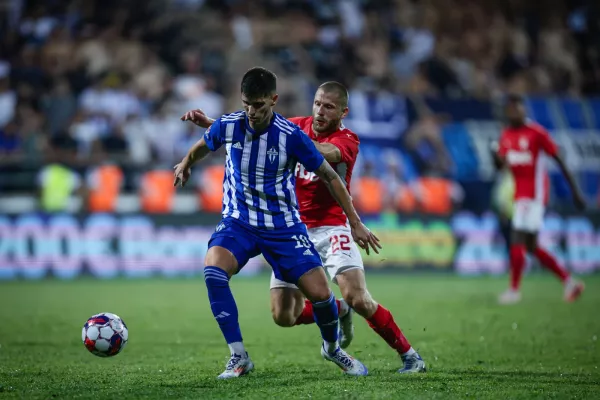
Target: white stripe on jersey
(245,169)
(288,128)
(283,124)
(233,117)
(226,186)
(230,175)
(289,220)
(260,181)
(292,191)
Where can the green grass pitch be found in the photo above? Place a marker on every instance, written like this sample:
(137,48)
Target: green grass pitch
(542,348)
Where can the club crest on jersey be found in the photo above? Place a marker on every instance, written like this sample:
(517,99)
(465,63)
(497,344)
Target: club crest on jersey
(272,153)
(523,143)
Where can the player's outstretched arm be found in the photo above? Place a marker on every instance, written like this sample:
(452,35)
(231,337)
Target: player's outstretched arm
(198,117)
(183,170)
(330,151)
(577,196)
(361,234)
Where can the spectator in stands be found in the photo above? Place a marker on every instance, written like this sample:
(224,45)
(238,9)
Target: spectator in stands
(10,142)
(27,69)
(115,146)
(63,147)
(85,71)
(425,145)
(59,106)
(8,102)
(398,194)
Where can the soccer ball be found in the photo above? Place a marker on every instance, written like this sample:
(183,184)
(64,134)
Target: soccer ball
(104,334)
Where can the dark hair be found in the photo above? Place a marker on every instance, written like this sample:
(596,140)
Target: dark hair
(259,82)
(514,99)
(337,88)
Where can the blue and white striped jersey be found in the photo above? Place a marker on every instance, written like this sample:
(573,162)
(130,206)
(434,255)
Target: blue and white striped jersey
(259,187)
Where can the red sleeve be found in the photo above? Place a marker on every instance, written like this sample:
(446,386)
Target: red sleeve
(296,120)
(503,145)
(546,142)
(347,145)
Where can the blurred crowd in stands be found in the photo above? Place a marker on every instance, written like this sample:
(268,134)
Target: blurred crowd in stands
(102,83)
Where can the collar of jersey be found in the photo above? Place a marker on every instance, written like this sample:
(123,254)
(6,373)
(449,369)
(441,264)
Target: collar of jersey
(249,129)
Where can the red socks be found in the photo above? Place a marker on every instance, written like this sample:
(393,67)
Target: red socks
(383,323)
(548,261)
(306,317)
(517,265)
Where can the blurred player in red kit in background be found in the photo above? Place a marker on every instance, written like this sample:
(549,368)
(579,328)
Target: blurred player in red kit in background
(329,231)
(521,148)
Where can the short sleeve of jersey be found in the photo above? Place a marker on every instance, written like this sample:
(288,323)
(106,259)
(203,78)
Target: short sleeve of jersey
(546,142)
(347,145)
(296,120)
(213,136)
(304,150)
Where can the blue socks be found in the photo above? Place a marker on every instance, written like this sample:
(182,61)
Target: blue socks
(326,317)
(225,311)
(224,308)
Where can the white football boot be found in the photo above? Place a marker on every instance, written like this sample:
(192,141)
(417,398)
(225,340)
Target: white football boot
(510,297)
(412,364)
(573,289)
(348,364)
(237,366)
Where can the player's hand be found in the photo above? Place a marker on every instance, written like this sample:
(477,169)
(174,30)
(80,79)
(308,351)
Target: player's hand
(579,201)
(197,117)
(182,173)
(365,238)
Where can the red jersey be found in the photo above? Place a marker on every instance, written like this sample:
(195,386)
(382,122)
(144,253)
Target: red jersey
(317,206)
(523,148)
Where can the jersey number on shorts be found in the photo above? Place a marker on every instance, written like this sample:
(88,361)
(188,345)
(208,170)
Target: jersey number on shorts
(340,242)
(301,241)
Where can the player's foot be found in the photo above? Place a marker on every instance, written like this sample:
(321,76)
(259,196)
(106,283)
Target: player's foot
(413,363)
(237,366)
(346,333)
(349,364)
(573,289)
(510,297)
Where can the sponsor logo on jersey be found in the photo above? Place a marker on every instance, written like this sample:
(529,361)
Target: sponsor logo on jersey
(515,157)
(302,173)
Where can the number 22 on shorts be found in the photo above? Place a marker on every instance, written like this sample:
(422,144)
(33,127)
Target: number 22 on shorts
(339,242)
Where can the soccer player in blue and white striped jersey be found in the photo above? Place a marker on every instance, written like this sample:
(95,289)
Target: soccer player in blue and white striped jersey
(260,215)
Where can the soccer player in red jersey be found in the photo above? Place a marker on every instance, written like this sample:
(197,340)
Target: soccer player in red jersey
(329,231)
(521,148)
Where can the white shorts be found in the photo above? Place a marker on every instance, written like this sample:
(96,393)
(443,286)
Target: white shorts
(337,250)
(528,215)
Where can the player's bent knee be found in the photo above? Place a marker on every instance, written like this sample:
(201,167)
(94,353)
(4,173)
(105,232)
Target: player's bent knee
(283,318)
(286,306)
(361,301)
(313,284)
(222,258)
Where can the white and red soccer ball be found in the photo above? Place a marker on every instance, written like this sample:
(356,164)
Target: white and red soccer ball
(104,334)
